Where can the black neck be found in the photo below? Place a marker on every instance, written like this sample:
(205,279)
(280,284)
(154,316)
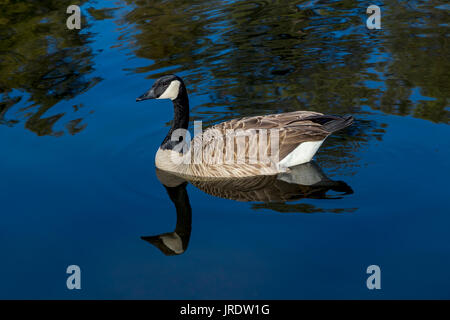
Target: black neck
(180,118)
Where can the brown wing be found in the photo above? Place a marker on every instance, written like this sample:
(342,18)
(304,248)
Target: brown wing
(266,122)
(292,129)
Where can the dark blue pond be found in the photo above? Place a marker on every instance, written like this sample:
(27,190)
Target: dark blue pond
(78,183)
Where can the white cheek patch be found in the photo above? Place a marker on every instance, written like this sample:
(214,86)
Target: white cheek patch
(171,91)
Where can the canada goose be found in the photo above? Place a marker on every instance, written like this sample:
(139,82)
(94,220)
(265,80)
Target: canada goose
(297,136)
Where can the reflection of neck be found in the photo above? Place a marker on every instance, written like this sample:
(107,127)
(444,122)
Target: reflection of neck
(180,198)
(180,118)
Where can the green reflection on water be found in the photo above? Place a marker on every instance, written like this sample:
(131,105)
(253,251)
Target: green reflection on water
(249,57)
(45,62)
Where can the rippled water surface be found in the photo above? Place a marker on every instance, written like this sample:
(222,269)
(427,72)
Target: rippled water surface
(78,183)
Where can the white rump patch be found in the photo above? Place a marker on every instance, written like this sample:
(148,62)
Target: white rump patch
(173,242)
(172,91)
(304,153)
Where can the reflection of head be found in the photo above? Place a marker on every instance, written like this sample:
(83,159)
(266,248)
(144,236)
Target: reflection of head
(169,243)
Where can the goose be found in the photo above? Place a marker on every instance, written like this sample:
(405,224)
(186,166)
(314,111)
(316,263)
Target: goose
(285,139)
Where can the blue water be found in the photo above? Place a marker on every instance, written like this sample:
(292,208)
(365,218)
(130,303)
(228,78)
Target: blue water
(85,197)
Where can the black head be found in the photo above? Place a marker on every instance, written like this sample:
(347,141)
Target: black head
(166,87)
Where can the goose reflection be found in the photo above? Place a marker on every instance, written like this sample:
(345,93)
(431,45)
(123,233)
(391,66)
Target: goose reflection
(303,181)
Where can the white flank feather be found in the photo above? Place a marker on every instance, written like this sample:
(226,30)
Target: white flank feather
(304,153)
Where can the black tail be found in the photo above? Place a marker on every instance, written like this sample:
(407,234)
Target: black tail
(332,123)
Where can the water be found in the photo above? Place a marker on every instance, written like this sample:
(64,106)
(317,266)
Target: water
(78,180)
